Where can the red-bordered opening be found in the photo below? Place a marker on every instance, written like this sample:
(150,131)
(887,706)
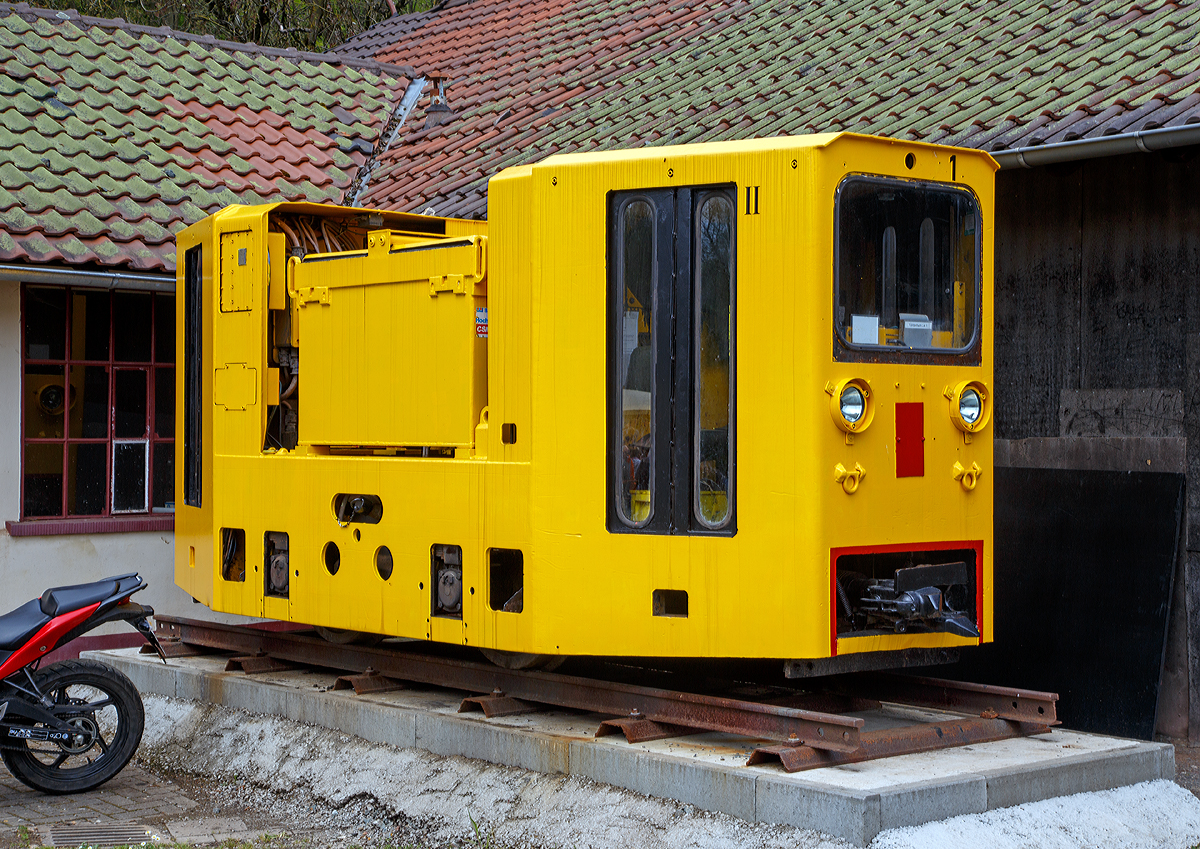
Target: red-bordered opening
(835,553)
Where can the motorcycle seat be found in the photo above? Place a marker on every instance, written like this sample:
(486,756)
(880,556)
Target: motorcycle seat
(19,625)
(58,600)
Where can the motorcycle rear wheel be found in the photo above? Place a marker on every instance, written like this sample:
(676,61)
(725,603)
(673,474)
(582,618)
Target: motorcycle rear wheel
(107,710)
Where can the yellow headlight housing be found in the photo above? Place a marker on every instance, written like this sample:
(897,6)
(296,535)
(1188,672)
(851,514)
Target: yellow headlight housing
(851,404)
(970,406)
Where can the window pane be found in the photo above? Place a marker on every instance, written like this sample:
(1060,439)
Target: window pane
(129,477)
(43,480)
(131,326)
(45,402)
(907,272)
(164,474)
(714,349)
(86,474)
(164,328)
(89,402)
(89,325)
(637,363)
(129,404)
(164,402)
(45,323)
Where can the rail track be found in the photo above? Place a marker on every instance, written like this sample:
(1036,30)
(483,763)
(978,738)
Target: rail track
(799,729)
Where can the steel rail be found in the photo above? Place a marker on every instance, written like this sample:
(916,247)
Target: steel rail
(891,742)
(986,700)
(711,713)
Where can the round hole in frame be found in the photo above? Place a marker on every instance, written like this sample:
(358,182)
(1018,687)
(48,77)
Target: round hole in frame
(332,558)
(383,562)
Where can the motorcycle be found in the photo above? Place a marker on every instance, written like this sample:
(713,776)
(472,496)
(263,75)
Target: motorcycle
(72,725)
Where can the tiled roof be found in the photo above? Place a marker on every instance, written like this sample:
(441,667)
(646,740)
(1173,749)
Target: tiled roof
(528,78)
(113,137)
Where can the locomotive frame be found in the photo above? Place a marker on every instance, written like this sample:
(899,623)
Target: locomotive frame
(452,430)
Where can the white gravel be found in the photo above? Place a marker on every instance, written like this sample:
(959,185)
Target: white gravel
(372,794)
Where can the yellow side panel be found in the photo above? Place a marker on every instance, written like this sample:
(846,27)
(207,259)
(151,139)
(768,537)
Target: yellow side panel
(391,355)
(238,270)
(235,386)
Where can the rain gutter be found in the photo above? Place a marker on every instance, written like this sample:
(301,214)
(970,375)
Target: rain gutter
(87,279)
(1143,141)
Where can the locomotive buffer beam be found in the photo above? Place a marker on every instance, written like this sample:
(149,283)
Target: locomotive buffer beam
(704,713)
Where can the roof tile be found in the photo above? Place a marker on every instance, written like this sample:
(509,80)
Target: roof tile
(108,146)
(975,72)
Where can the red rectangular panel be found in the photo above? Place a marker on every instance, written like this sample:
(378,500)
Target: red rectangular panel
(910,440)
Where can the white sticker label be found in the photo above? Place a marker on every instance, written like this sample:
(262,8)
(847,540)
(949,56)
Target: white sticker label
(481,322)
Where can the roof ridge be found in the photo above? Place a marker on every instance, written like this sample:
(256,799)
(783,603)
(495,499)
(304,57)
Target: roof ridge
(31,13)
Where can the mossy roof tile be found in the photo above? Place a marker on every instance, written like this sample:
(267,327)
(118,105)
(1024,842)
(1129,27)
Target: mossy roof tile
(108,142)
(565,75)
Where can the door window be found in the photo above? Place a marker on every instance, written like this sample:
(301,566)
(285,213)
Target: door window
(671,365)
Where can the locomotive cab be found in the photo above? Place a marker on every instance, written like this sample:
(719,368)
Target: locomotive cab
(719,400)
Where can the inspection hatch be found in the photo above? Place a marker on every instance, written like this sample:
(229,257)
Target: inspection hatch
(98,834)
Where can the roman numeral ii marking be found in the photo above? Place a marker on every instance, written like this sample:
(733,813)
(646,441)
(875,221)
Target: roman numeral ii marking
(752,200)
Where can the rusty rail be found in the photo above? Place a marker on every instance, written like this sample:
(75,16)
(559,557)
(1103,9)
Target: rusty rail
(890,742)
(814,732)
(711,713)
(984,700)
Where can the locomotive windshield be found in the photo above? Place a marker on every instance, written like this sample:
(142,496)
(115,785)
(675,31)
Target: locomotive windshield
(907,266)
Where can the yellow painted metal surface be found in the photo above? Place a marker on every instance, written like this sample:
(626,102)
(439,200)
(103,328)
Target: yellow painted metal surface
(459,372)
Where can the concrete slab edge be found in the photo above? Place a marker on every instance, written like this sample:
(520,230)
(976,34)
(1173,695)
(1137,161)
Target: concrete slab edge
(752,795)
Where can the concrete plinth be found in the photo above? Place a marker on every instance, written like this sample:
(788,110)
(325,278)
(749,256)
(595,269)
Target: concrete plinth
(853,802)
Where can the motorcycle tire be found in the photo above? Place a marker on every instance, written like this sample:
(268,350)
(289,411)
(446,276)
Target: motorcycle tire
(110,718)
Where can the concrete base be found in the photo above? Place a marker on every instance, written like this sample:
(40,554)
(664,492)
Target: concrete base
(852,802)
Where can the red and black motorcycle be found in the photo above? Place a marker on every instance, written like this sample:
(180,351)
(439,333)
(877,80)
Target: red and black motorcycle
(72,725)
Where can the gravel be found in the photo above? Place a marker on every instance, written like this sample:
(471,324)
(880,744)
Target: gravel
(323,788)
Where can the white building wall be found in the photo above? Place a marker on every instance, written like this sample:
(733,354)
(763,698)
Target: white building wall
(31,564)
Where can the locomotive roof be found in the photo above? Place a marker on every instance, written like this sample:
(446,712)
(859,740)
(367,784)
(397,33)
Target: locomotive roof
(718,148)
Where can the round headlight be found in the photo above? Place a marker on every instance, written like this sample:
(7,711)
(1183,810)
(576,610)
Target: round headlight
(970,406)
(853,404)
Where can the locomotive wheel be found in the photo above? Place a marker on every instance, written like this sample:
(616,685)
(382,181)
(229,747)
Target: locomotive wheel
(345,636)
(524,660)
(106,711)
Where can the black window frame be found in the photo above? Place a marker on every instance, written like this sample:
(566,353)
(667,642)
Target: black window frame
(673,395)
(845,351)
(193,353)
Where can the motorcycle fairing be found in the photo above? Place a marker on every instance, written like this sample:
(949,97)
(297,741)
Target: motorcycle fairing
(46,639)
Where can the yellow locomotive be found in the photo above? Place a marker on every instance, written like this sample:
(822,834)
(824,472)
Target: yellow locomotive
(717,400)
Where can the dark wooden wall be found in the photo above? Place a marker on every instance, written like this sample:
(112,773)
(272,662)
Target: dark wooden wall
(1098,325)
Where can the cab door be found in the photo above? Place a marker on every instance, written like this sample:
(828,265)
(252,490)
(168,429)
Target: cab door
(671,361)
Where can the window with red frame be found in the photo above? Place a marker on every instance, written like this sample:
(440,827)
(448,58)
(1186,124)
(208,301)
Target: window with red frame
(98,402)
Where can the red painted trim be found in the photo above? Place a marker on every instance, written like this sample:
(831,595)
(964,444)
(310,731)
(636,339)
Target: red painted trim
(979,591)
(833,599)
(96,525)
(48,637)
(835,553)
(910,440)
